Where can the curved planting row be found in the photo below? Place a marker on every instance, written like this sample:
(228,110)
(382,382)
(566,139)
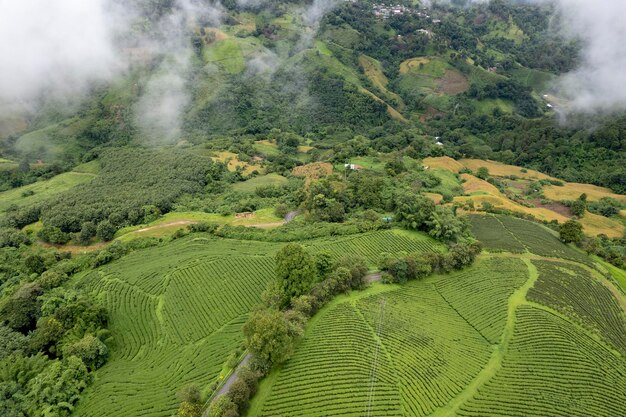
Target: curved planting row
(572,291)
(147,384)
(552,368)
(203,297)
(480,294)
(176,314)
(372,245)
(336,371)
(540,241)
(493,235)
(435,352)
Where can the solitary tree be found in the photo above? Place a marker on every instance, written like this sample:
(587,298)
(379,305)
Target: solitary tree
(482,173)
(571,232)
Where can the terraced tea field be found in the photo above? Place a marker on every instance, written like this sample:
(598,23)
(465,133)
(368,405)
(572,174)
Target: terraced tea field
(373,245)
(175,317)
(506,233)
(516,334)
(176,313)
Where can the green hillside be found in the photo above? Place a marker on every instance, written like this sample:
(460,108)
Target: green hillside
(176,313)
(507,334)
(310,208)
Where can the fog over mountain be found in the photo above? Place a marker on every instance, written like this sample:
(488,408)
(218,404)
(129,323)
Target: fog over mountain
(58,48)
(599,84)
(55,47)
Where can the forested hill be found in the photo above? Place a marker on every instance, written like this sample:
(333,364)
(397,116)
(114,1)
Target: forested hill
(479,78)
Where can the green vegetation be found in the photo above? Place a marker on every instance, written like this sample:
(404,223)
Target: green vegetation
(484,305)
(251,185)
(166,313)
(38,192)
(171,324)
(389,361)
(306,227)
(516,235)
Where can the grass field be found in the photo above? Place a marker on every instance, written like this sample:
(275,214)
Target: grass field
(499,169)
(443,162)
(173,221)
(571,191)
(266,147)
(509,336)
(374,71)
(475,186)
(177,311)
(450,184)
(234,162)
(594,225)
(42,190)
(502,202)
(251,185)
(487,106)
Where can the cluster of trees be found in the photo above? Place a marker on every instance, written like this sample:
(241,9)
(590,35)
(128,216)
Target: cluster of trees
(303,284)
(611,250)
(606,206)
(52,335)
(402,268)
(508,89)
(418,212)
(135,186)
(25,173)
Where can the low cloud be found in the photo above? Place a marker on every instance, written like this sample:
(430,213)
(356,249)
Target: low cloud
(54,48)
(599,83)
(159,112)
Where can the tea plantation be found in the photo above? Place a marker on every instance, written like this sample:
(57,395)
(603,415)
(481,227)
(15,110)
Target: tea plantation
(177,311)
(530,330)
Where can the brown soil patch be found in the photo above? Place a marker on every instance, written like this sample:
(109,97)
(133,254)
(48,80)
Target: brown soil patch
(164,225)
(313,171)
(409,64)
(435,197)
(554,206)
(217,34)
(453,82)
(75,249)
(430,113)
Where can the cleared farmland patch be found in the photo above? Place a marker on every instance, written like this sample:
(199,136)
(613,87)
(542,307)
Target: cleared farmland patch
(443,162)
(503,170)
(572,190)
